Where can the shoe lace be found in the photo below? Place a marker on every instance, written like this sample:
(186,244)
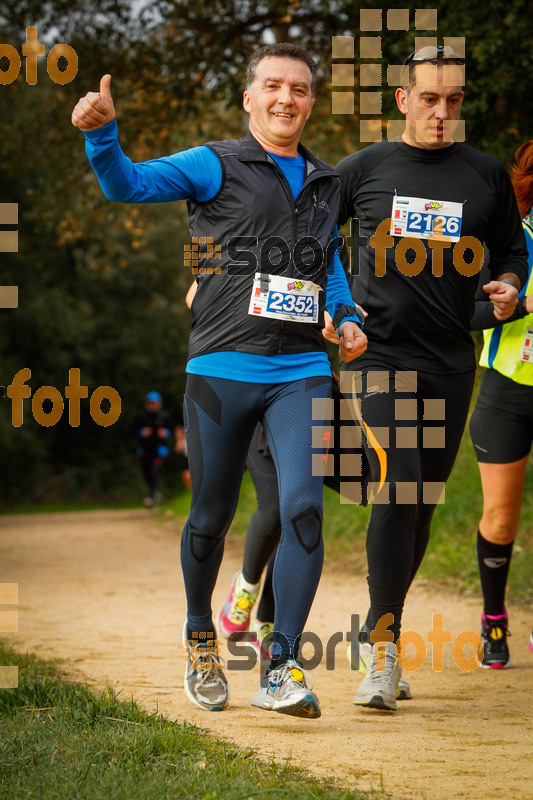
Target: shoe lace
(205,659)
(242,604)
(293,672)
(376,675)
(495,634)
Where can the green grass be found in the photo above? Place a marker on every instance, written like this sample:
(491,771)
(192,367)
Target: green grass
(179,505)
(51,508)
(60,740)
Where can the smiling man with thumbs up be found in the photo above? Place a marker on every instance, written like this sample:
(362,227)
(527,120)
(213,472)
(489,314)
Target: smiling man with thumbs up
(256,353)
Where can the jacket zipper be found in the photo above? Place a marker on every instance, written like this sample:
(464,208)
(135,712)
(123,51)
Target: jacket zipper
(296,211)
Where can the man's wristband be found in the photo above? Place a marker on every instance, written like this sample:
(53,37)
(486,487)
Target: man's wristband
(521,310)
(348,311)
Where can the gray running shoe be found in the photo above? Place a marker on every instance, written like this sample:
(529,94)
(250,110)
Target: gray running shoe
(287,689)
(205,683)
(365,655)
(379,688)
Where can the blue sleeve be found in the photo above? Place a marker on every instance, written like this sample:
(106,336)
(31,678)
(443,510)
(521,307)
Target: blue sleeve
(194,174)
(337,290)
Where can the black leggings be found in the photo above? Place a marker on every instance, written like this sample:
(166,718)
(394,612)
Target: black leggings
(264,530)
(418,419)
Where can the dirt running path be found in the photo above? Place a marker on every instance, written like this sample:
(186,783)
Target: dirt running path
(103,590)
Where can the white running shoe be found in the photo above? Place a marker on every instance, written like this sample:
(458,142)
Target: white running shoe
(362,662)
(205,684)
(288,690)
(379,688)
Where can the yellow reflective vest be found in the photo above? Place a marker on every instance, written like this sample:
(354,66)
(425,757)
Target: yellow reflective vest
(503,345)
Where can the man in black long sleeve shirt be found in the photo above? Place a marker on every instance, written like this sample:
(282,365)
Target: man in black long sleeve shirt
(415,380)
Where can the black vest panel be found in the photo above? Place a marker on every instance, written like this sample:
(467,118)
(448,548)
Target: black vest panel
(258,227)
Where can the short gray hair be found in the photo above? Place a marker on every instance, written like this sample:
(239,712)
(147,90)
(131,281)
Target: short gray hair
(281,50)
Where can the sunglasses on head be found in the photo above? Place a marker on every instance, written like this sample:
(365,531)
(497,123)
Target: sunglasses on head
(439,52)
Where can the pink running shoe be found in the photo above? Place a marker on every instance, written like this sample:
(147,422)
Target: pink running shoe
(234,616)
(531,642)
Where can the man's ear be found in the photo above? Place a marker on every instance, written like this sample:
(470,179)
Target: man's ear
(401,99)
(311,108)
(246,101)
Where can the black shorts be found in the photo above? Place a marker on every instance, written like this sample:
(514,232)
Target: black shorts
(501,425)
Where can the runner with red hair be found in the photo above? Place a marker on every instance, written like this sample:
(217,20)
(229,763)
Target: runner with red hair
(501,428)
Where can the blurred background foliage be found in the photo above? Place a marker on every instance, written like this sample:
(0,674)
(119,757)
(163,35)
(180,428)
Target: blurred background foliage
(101,285)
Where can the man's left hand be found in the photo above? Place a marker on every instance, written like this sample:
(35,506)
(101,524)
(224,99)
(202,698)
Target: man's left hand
(504,298)
(328,331)
(352,341)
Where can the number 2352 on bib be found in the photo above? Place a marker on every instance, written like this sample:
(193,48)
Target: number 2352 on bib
(284,299)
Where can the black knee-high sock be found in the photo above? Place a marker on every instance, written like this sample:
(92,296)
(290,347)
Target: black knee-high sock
(494,561)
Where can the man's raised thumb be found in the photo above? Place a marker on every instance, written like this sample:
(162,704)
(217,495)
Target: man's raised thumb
(105,86)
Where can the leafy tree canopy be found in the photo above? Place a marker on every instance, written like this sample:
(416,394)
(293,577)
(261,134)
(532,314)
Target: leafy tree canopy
(102,285)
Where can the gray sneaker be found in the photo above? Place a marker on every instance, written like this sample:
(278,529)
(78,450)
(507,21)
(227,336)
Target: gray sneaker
(362,662)
(379,687)
(205,683)
(287,689)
